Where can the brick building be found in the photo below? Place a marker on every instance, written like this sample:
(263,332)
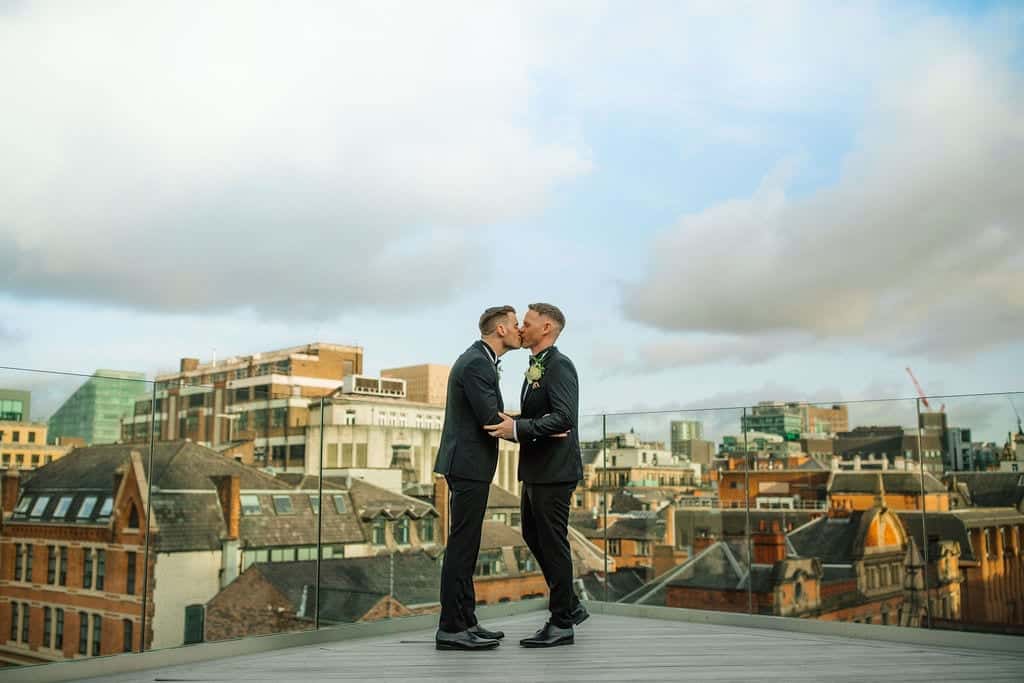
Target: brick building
(72,547)
(263,397)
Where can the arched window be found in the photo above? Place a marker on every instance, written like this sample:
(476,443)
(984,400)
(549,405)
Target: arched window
(133,518)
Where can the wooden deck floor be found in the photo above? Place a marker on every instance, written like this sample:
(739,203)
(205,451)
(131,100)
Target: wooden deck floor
(610,648)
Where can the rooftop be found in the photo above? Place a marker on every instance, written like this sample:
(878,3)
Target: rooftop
(617,643)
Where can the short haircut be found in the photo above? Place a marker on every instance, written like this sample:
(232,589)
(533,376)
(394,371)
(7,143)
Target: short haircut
(492,316)
(551,311)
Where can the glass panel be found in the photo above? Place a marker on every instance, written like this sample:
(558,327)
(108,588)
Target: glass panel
(653,504)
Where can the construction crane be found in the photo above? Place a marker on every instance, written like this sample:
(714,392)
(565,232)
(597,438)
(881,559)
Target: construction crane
(920,392)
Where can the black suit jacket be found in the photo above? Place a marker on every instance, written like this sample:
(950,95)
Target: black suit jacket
(551,408)
(467,450)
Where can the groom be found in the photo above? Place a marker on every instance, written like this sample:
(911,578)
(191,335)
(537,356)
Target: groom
(549,466)
(468,458)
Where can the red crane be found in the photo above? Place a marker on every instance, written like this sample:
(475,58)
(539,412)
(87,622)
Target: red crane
(920,392)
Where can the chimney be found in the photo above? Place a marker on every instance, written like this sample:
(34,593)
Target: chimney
(9,490)
(229,489)
(769,546)
(189,364)
(670,525)
(441,505)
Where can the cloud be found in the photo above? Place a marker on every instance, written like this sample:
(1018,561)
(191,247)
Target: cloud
(216,157)
(915,249)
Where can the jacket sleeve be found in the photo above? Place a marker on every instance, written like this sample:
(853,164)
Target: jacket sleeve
(564,394)
(480,382)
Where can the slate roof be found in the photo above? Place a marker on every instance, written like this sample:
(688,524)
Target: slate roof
(732,521)
(185,502)
(500,498)
(893,482)
(349,587)
(991,489)
(647,528)
(946,525)
(500,535)
(619,583)
(831,540)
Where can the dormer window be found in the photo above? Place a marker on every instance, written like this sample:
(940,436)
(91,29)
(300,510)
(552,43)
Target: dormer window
(85,511)
(106,508)
(39,507)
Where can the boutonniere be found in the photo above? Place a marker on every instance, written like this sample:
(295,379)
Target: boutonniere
(535,372)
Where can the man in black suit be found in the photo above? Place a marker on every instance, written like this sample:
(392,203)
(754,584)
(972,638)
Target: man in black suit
(550,466)
(468,458)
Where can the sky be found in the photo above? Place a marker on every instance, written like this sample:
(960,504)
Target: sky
(731,202)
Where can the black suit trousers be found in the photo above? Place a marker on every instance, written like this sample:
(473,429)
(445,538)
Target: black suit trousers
(545,519)
(467,506)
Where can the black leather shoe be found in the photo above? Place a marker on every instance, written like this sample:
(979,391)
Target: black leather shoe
(579,615)
(463,640)
(480,631)
(549,636)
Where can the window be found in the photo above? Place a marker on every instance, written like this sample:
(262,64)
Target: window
(19,563)
(106,508)
(402,531)
(62,568)
(489,563)
(339,504)
(517,520)
(51,564)
(278,417)
(241,395)
(314,503)
(62,507)
(283,505)
(35,460)
(643,548)
(30,552)
(194,626)
(23,506)
(101,568)
(25,614)
(379,526)
(83,633)
(129,582)
(426,530)
(31,437)
(127,639)
(196,401)
(58,640)
(251,505)
(47,626)
(133,518)
(525,559)
(39,507)
(614,547)
(14,621)
(282,554)
(15,436)
(97,634)
(86,508)
(87,568)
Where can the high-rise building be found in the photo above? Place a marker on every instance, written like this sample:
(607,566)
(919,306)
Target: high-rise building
(426,383)
(15,405)
(775,417)
(822,420)
(686,430)
(94,412)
